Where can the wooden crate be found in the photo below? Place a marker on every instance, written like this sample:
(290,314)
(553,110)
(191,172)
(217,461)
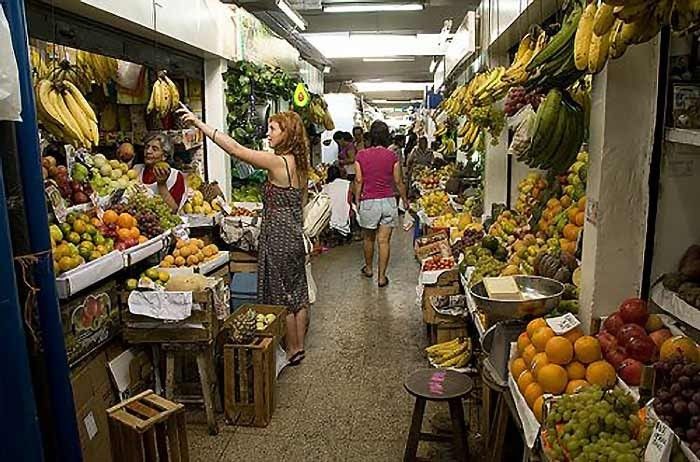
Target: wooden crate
(277,328)
(144,329)
(433,291)
(450,331)
(243,262)
(148,428)
(250,380)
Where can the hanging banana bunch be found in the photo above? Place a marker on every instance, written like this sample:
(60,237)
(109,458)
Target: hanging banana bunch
(165,97)
(39,67)
(98,68)
(65,113)
(65,70)
(529,47)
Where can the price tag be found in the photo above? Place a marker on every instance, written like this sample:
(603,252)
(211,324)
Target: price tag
(660,443)
(90,425)
(95,199)
(563,324)
(58,204)
(228,210)
(182,232)
(70,158)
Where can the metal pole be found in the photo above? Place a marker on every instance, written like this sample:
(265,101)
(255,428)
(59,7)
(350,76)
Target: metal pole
(58,373)
(20,422)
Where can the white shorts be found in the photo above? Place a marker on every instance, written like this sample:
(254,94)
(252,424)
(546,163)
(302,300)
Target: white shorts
(376,212)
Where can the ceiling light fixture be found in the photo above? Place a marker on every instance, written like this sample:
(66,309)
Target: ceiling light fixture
(371,7)
(291,14)
(369,87)
(386,101)
(407,59)
(326,69)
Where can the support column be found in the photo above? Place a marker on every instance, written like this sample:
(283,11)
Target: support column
(496,171)
(621,138)
(218,162)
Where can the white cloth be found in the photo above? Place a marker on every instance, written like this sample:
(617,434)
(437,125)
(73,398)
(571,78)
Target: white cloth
(350,169)
(340,207)
(172,178)
(171,306)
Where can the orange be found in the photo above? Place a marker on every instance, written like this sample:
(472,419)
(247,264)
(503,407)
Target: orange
(517,366)
(575,370)
(571,232)
(587,349)
(529,354)
(533,325)
(571,214)
(538,408)
(541,337)
(199,243)
(96,221)
(142,239)
(582,203)
(192,260)
(524,380)
(134,233)
(185,251)
(79,226)
(169,259)
(532,392)
(679,346)
(125,221)
(559,350)
(553,379)
(179,261)
(109,217)
(176,253)
(539,360)
(573,335)
(179,244)
(523,341)
(580,219)
(568,246)
(123,234)
(601,373)
(575,385)
(565,201)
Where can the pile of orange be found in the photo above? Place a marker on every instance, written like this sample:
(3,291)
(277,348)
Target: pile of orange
(555,364)
(190,252)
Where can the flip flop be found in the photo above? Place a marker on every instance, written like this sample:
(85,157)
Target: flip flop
(364,272)
(296,358)
(386,282)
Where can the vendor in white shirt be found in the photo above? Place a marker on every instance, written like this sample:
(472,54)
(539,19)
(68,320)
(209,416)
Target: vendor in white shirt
(156,173)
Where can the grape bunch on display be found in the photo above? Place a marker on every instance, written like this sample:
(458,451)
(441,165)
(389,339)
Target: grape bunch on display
(518,97)
(677,400)
(152,213)
(596,425)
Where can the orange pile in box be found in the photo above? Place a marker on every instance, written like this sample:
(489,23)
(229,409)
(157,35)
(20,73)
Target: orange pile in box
(557,364)
(190,252)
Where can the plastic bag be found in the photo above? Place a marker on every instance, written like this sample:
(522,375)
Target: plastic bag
(522,137)
(10,102)
(310,282)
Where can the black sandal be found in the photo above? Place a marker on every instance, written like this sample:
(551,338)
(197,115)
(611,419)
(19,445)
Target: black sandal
(364,272)
(296,359)
(386,282)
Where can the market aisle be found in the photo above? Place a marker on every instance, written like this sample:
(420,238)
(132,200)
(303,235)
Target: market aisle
(346,402)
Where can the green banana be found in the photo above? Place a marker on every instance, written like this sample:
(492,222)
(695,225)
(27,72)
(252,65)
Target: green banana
(550,148)
(560,39)
(543,128)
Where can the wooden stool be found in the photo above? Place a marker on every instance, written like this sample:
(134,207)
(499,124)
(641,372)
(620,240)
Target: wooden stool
(438,385)
(207,378)
(148,428)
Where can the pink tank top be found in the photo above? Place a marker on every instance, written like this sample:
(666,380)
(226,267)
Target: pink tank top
(377,166)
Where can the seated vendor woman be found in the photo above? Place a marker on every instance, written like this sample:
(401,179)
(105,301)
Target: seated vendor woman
(156,173)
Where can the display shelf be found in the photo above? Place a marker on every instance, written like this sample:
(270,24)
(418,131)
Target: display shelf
(142,251)
(689,136)
(530,425)
(671,303)
(471,305)
(215,263)
(75,280)
(202,221)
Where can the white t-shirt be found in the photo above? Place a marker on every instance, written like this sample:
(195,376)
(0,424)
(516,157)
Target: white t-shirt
(340,208)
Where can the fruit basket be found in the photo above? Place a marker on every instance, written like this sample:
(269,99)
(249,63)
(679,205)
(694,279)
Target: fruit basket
(433,267)
(73,281)
(540,296)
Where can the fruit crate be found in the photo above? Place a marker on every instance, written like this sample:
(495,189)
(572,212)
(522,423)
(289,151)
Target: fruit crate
(203,325)
(250,381)
(243,262)
(73,281)
(277,328)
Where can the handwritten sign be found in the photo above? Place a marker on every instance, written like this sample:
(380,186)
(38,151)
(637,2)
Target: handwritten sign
(58,204)
(435,384)
(563,324)
(660,443)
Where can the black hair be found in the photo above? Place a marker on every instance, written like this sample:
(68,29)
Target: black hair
(410,143)
(337,136)
(398,139)
(435,145)
(423,139)
(347,136)
(333,173)
(357,127)
(379,134)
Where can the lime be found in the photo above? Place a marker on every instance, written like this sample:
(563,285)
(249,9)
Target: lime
(131,284)
(65,229)
(98,239)
(90,229)
(72,250)
(152,273)
(86,237)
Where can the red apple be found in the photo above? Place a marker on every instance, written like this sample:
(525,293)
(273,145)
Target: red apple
(613,323)
(616,356)
(607,341)
(660,336)
(641,348)
(630,371)
(634,310)
(628,332)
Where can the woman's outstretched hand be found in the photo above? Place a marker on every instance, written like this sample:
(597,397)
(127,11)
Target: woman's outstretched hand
(186,116)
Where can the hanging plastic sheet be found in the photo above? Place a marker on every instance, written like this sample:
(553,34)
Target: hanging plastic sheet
(10,103)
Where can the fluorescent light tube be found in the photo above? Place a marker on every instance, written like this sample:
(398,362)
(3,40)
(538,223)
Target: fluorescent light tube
(326,69)
(407,59)
(368,87)
(291,14)
(370,7)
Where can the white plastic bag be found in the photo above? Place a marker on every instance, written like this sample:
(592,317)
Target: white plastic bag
(10,102)
(310,282)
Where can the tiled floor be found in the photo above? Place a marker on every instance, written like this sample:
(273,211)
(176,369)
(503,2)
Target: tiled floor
(346,402)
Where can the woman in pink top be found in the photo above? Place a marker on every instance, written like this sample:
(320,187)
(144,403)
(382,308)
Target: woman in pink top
(378,172)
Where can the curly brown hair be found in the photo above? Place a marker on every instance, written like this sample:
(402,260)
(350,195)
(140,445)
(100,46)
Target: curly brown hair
(296,141)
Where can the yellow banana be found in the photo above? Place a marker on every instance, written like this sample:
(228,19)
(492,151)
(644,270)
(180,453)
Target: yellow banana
(78,115)
(582,39)
(174,93)
(598,52)
(604,19)
(71,127)
(80,99)
(43,101)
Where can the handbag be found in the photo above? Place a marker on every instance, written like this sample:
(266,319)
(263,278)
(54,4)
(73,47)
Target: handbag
(317,215)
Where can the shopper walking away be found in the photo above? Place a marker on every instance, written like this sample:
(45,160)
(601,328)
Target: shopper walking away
(338,190)
(397,146)
(378,173)
(419,156)
(411,142)
(346,155)
(358,136)
(281,256)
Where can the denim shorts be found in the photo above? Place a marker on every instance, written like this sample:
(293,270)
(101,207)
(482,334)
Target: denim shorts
(376,212)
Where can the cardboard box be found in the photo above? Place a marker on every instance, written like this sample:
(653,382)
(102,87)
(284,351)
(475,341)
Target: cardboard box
(93,394)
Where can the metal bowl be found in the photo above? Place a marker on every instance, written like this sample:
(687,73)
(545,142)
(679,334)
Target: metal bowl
(540,296)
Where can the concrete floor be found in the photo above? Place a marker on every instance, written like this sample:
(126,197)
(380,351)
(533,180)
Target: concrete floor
(346,401)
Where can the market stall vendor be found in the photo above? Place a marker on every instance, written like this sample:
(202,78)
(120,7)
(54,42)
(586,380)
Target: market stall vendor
(156,173)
